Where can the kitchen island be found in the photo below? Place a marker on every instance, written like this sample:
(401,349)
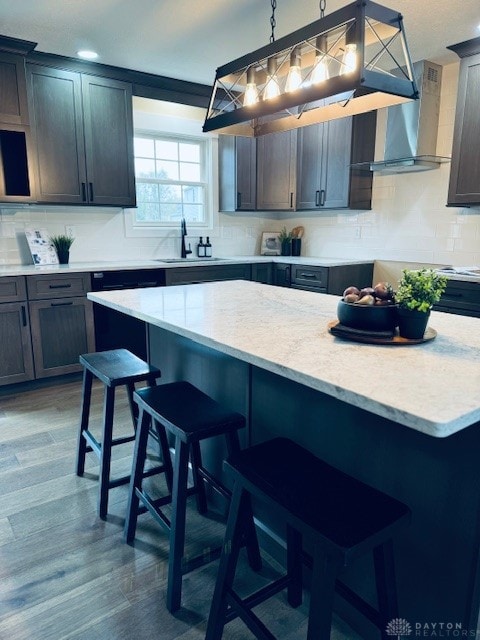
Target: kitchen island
(404,419)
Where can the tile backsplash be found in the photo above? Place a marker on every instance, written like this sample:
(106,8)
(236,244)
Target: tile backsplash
(409,221)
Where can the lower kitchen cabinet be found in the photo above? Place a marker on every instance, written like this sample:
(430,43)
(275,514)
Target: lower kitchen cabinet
(61,320)
(262,272)
(16,362)
(62,329)
(460,297)
(207,273)
(333,280)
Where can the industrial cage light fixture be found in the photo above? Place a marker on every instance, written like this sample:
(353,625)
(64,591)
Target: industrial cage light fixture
(349,62)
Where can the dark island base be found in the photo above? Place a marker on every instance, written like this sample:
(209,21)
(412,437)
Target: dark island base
(437,559)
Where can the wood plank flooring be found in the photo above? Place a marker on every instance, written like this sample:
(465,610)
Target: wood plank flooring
(66,574)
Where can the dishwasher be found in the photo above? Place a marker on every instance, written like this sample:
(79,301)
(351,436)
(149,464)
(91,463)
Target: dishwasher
(115,330)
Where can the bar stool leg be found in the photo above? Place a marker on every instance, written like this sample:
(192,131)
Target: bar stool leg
(165,449)
(294,566)
(251,540)
(106,451)
(322,594)
(200,494)
(85,413)
(139,455)
(228,563)
(177,526)
(386,584)
(133,405)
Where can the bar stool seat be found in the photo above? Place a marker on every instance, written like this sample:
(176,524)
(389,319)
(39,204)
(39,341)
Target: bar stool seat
(341,517)
(190,416)
(114,368)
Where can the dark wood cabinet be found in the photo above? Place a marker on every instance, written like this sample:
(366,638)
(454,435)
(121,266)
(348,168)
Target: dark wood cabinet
(262,272)
(333,280)
(281,274)
(83,138)
(276,171)
(207,273)
(460,297)
(464,187)
(13,89)
(325,178)
(61,322)
(16,362)
(237,173)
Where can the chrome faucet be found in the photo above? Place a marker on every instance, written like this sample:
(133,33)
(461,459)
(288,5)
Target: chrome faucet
(185,251)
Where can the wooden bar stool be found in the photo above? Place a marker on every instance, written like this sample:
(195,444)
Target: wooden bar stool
(191,417)
(343,518)
(114,368)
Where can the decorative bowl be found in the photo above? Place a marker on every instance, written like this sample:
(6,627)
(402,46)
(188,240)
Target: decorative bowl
(368,317)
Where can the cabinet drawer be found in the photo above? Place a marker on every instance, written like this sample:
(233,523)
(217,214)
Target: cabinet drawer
(314,277)
(191,275)
(12,289)
(461,296)
(57,286)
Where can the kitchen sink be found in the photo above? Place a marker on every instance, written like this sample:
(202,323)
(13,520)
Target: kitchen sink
(172,260)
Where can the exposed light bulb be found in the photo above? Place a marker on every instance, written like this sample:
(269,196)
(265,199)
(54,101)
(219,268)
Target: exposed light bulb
(294,77)
(349,59)
(251,92)
(320,68)
(272,88)
(87,55)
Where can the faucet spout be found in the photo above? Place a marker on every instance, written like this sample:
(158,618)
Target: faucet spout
(184,250)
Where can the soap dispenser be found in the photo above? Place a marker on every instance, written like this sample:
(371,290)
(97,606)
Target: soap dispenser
(201,248)
(208,248)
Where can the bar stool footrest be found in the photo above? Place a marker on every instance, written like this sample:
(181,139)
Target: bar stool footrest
(253,622)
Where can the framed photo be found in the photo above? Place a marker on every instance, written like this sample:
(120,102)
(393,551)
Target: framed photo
(271,245)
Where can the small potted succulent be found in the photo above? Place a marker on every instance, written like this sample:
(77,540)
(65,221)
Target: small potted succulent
(62,244)
(417,292)
(285,239)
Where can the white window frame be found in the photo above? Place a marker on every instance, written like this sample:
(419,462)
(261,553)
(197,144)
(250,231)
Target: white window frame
(133,229)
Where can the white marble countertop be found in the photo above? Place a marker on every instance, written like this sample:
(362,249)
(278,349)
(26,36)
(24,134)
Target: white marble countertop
(432,387)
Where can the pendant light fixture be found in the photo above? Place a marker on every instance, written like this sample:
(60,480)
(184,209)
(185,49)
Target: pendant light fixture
(351,61)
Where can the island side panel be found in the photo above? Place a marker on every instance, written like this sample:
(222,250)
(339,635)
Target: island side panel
(439,478)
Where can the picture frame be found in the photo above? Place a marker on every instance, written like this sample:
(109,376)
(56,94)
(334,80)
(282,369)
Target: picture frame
(271,245)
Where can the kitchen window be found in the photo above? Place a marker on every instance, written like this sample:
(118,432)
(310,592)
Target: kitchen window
(171,180)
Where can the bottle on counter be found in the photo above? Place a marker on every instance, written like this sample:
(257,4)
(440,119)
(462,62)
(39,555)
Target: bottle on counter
(208,248)
(201,248)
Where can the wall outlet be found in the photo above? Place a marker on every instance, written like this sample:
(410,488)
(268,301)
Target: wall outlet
(70,230)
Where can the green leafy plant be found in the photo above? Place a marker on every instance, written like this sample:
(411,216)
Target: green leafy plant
(61,243)
(419,290)
(284,235)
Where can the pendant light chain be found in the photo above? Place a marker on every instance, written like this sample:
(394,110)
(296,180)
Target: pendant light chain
(273,22)
(323,6)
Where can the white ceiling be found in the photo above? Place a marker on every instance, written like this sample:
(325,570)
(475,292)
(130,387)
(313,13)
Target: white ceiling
(189,39)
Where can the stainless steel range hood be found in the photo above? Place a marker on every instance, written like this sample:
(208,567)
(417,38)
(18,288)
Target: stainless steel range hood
(411,138)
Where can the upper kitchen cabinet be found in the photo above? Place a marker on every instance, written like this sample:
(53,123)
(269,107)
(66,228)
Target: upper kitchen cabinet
(16,170)
(237,173)
(83,137)
(325,151)
(13,89)
(464,188)
(276,171)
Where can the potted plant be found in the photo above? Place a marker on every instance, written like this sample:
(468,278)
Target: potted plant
(62,244)
(417,292)
(285,238)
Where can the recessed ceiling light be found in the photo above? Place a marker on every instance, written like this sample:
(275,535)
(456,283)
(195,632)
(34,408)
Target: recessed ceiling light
(87,55)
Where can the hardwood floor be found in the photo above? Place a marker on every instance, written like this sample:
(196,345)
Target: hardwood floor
(66,574)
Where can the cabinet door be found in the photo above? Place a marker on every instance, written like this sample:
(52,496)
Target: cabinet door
(13,89)
(60,151)
(309,166)
(62,329)
(16,363)
(282,274)
(108,122)
(237,173)
(208,273)
(464,185)
(337,145)
(276,157)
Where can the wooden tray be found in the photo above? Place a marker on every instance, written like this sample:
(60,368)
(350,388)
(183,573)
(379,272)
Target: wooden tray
(396,339)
